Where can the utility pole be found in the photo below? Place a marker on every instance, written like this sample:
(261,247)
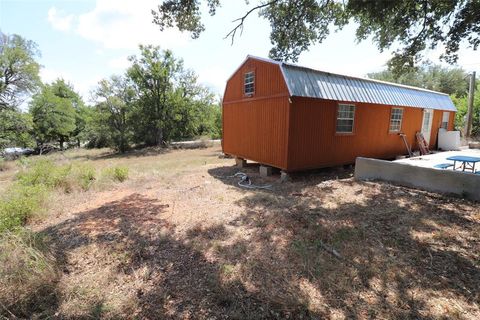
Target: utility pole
(471,89)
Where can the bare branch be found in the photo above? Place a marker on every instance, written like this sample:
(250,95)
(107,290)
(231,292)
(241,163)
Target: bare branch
(233,32)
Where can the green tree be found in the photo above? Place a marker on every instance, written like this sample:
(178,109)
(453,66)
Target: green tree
(170,104)
(97,131)
(428,76)
(115,98)
(154,74)
(412,26)
(15,129)
(53,117)
(65,90)
(462,106)
(194,109)
(18,70)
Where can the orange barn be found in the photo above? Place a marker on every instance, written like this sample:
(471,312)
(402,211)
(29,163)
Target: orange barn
(296,118)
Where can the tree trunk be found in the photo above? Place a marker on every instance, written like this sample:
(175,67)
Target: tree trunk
(61,143)
(159,139)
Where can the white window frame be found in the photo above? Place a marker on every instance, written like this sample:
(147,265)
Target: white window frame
(249,79)
(352,118)
(444,123)
(395,125)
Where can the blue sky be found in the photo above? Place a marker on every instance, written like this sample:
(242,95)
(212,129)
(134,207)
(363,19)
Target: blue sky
(84,41)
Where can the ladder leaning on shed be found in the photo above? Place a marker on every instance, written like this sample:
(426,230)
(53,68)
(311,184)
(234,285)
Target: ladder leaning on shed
(422,144)
(404,138)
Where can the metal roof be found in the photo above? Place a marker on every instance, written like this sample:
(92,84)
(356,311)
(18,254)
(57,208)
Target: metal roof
(305,82)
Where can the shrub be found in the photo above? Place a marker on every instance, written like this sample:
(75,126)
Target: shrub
(27,274)
(23,161)
(118,173)
(44,172)
(19,205)
(85,176)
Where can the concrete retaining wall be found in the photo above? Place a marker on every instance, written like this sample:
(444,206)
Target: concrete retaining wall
(446,181)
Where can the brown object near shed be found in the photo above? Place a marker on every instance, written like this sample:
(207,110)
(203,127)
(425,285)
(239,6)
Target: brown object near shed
(296,118)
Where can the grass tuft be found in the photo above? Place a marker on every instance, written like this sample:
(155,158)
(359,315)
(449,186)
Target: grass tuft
(21,204)
(118,173)
(44,172)
(28,276)
(85,176)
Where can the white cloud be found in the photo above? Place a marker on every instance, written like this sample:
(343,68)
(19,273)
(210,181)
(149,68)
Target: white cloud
(59,20)
(125,24)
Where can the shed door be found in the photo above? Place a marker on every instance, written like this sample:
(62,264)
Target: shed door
(427,124)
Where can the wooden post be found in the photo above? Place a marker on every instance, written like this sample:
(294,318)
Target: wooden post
(471,91)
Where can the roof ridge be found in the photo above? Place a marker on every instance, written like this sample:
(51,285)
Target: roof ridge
(265,59)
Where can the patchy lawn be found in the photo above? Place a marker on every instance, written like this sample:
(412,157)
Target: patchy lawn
(180,239)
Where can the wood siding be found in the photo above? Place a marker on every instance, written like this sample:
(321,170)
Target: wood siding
(268,81)
(313,142)
(257,130)
(294,133)
(256,127)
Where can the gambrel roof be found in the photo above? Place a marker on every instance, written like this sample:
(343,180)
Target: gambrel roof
(306,82)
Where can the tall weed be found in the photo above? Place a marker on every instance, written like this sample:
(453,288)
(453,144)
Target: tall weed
(27,274)
(21,204)
(118,173)
(45,172)
(85,176)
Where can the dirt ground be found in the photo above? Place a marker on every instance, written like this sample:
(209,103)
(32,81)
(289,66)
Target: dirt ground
(181,240)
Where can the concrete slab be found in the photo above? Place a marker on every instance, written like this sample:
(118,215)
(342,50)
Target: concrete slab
(464,184)
(430,160)
(265,171)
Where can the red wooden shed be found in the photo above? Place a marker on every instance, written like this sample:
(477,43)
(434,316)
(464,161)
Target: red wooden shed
(296,118)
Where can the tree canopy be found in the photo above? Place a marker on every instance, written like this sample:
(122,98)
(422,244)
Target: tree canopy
(170,103)
(115,97)
(18,79)
(429,76)
(409,27)
(18,70)
(156,101)
(462,106)
(53,115)
(15,129)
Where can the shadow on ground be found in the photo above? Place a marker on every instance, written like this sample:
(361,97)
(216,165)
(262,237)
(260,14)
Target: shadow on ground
(314,248)
(177,280)
(225,174)
(111,154)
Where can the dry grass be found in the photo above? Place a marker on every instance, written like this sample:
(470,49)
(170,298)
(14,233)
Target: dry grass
(179,239)
(26,274)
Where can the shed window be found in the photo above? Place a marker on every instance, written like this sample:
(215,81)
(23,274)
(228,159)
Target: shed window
(249,83)
(396,119)
(345,118)
(445,120)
